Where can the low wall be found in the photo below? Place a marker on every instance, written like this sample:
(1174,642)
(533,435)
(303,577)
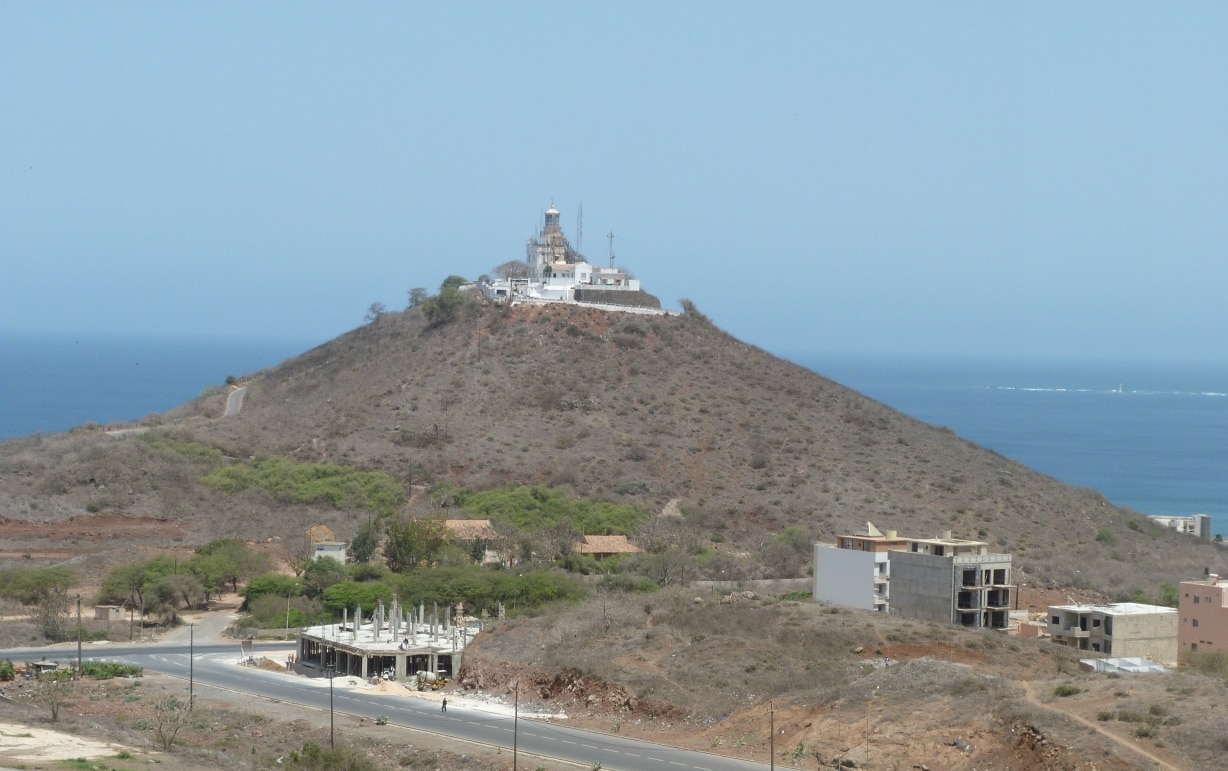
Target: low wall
(763,586)
(638,298)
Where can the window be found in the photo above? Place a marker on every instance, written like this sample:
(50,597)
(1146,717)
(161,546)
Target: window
(1096,623)
(1057,620)
(1195,622)
(1196,599)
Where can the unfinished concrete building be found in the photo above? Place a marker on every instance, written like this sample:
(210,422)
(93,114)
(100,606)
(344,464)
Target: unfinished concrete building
(945,579)
(395,643)
(1122,629)
(952,580)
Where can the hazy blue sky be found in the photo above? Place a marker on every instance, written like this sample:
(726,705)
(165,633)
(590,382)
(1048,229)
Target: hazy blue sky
(1017,179)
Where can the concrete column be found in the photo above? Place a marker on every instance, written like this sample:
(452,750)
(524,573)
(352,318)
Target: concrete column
(401,666)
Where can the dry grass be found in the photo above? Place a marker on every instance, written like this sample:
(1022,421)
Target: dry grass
(749,443)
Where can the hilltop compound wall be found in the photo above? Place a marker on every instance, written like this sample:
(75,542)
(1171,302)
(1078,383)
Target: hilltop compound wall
(637,298)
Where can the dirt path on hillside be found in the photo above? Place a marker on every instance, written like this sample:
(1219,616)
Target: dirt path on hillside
(1029,690)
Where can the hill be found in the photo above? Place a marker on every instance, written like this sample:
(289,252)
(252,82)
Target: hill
(667,412)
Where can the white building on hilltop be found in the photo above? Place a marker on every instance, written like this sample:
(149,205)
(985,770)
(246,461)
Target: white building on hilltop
(1197,525)
(555,272)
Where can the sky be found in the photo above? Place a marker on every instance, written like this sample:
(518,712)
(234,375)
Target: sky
(1011,179)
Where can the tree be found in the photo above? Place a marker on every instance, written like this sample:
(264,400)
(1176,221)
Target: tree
(362,546)
(183,589)
(230,561)
(54,688)
(453,282)
(124,584)
(169,716)
(413,541)
(374,312)
(416,296)
(513,269)
(322,573)
(47,590)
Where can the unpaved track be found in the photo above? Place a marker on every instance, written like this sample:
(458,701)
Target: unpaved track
(1029,689)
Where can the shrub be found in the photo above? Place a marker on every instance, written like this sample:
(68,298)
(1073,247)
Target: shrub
(333,484)
(105,670)
(1104,535)
(315,758)
(1067,690)
(7,670)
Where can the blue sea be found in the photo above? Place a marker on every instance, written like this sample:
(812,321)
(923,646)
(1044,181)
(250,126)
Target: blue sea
(1153,437)
(51,382)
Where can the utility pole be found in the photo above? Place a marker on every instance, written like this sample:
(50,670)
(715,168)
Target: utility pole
(772,734)
(191,662)
(78,635)
(515,724)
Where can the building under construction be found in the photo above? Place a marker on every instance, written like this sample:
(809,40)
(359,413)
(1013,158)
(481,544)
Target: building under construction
(393,643)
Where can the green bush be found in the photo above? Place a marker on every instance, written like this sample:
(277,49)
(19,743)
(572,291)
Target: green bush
(105,670)
(628,583)
(315,758)
(341,487)
(7,670)
(271,583)
(1106,536)
(535,508)
(171,444)
(482,589)
(1067,690)
(30,586)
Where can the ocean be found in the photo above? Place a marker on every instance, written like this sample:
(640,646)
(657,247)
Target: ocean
(1153,437)
(53,382)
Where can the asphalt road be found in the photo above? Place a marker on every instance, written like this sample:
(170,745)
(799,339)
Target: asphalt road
(217,666)
(234,402)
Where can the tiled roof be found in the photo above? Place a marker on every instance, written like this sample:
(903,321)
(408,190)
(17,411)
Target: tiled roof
(470,529)
(606,544)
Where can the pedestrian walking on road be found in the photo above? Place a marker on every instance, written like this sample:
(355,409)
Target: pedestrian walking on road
(444,708)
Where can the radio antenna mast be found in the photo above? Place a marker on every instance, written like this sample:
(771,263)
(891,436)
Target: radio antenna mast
(611,237)
(580,228)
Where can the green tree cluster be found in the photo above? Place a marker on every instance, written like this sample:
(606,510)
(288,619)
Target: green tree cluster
(541,508)
(164,585)
(341,487)
(449,304)
(30,586)
(479,588)
(46,589)
(412,542)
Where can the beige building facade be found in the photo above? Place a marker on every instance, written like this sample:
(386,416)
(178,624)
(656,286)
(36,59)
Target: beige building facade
(1203,607)
(1122,630)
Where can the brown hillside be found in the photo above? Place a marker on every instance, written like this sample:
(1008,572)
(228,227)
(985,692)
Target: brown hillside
(614,406)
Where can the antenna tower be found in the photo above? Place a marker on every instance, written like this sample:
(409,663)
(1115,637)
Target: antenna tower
(611,237)
(580,228)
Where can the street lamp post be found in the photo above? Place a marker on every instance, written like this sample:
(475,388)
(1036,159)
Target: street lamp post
(191,662)
(330,669)
(78,635)
(288,593)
